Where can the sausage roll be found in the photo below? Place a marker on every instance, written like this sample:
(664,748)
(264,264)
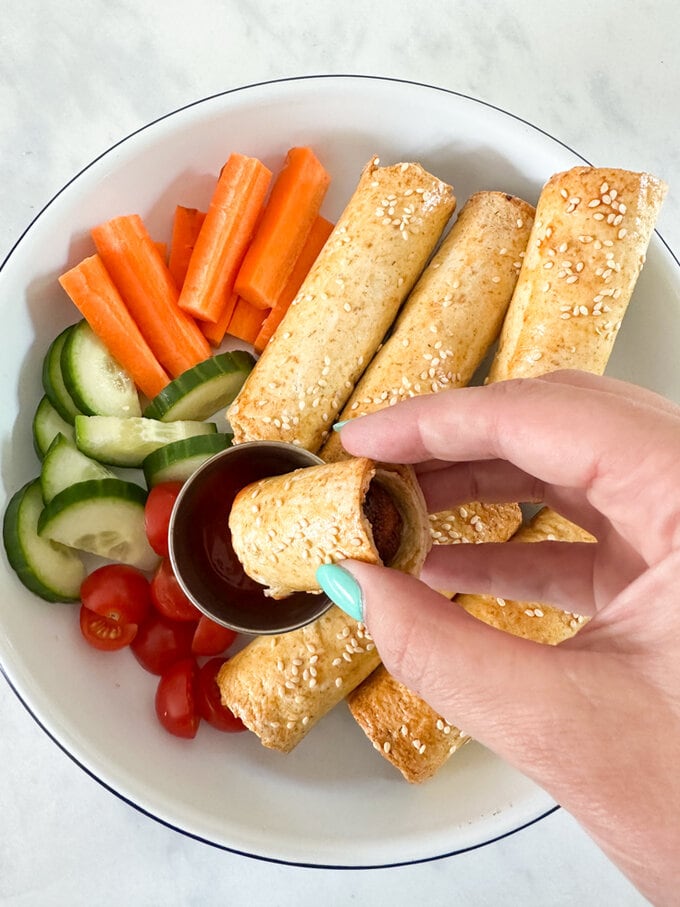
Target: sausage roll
(284,527)
(454,313)
(280,686)
(403,727)
(585,252)
(532,620)
(349,299)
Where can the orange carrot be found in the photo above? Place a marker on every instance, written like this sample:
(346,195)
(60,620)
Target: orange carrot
(246,321)
(224,237)
(162,248)
(293,205)
(95,295)
(214,331)
(185,228)
(149,292)
(321,230)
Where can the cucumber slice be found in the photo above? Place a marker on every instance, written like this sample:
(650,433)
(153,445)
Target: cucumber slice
(47,424)
(125,442)
(46,568)
(102,516)
(203,390)
(65,465)
(97,384)
(53,379)
(177,461)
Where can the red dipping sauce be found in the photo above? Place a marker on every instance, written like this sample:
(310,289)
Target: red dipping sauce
(200,542)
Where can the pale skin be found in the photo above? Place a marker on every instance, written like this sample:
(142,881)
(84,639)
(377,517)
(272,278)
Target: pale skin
(595,721)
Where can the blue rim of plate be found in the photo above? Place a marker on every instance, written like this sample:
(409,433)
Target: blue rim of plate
(165,116)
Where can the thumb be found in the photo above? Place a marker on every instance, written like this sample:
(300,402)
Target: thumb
(504,691)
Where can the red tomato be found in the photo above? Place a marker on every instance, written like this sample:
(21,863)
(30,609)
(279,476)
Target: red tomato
(211,638)
(104,633)
(160,642)
(176,698)
(157,510)
(118,592)
(209,701)
(167,595)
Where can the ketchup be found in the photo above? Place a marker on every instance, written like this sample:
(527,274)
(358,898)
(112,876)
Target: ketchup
(203,550)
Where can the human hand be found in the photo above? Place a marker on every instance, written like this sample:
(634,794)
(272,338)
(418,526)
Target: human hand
(595,722)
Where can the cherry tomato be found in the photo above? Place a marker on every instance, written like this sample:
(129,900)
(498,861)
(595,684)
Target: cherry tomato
(157,510)
(104,633)
(209,701)
(176,698)
(211,638)
(160,642)
(118,592)
(167,595)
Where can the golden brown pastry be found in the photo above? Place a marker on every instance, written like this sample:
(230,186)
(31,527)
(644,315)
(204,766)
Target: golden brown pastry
(585,252)
(403,727)
(454,312)
(349,299)
(284,527)
(475,522)
(532,620)
(280,686)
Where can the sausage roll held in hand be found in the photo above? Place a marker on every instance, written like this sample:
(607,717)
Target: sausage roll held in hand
(284,527)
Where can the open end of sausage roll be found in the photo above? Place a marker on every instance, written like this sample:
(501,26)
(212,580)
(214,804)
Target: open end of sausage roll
(385,520)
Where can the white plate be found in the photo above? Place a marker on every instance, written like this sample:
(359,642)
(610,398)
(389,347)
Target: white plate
(334,801)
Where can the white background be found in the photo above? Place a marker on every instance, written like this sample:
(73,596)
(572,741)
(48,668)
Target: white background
(78,75)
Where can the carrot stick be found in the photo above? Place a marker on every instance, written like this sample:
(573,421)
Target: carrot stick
(162,248)
(185,228)
(148,290)
(246,321)
(321,230)
(214,331)
(294,203)
(224,237)
(95,295)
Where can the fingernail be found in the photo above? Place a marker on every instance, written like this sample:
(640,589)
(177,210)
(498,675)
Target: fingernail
(341,587)
(338,425)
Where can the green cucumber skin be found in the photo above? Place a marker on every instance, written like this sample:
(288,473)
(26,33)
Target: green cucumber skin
(53,380)
(176,461)
(64,457)
(78,339)
(47,424)
(102,489)
(195,383)
(20,561)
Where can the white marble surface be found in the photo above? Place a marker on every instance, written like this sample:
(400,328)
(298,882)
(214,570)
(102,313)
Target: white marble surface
(76,76)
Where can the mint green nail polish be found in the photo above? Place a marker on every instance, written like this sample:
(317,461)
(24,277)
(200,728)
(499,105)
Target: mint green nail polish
(341,587)
(338,425)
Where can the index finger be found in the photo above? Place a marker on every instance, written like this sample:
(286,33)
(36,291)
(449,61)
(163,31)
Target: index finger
(580,437)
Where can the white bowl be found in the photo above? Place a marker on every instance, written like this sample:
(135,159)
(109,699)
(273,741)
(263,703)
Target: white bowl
(333,801)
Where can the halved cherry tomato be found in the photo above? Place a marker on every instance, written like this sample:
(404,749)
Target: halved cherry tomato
(118,592)
(211,638)
(167,595)
(209,701)
(160,642)
(104,633)
(157,510)
(176,698)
